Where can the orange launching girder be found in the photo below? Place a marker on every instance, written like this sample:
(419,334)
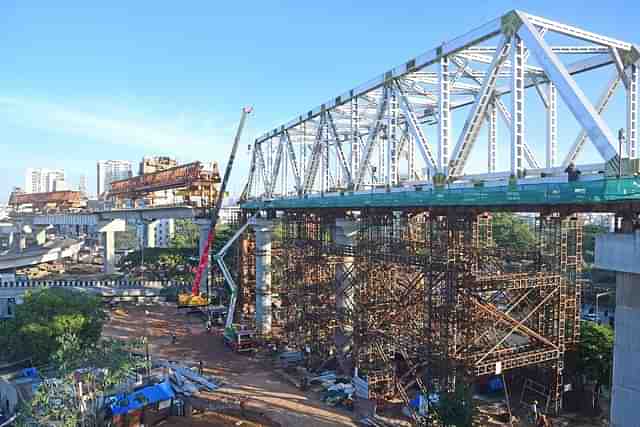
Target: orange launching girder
(39,200)
(184,176)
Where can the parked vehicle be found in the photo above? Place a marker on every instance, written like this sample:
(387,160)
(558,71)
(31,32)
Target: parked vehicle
(239,339)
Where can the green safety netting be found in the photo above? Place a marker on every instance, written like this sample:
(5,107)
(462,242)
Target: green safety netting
(607,190)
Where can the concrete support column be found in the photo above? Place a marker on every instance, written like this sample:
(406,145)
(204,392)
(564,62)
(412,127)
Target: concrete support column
(344,235)
(108,230)
(109,254)
(263,229)
(148,232)
(620,252)
(204,225)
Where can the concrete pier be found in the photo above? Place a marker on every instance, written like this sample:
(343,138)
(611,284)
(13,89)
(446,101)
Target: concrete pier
(263,229)
(345,232)
(108,230)
(620,252)
(344,235)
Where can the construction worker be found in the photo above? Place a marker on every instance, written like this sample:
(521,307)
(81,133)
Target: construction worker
(534,412)
(572,173)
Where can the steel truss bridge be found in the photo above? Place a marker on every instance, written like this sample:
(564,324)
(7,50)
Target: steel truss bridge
(395,133)
(390,257)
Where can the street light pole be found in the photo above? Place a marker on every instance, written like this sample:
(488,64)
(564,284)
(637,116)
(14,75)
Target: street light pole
(601,294)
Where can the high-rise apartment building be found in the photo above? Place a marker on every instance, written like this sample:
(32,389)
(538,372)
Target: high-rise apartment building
(156,164)
(42,180)
(109,171)
(82,186)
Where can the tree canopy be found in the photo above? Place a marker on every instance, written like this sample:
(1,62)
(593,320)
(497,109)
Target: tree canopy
(45,316)
(595,352)
(186,236)
(511,231)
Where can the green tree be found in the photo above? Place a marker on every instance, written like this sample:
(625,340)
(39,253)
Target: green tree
(107,364)
(127,239)
(456,408)
(44,317)
(187,234)
(595,357)
(511,231)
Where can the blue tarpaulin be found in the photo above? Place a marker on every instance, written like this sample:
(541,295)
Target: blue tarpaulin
(122,404)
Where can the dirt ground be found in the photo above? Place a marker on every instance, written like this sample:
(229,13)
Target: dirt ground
(245,377)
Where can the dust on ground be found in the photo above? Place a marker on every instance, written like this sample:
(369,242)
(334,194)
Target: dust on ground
(245,376)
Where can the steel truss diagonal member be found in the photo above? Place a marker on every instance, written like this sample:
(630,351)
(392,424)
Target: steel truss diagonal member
(342,159)
(371,139)
(601,106)
(276,166)
(262,167)
(474,122)
(246,192)
(585,114)
(314,160)
(294,162)
(506,116)
(416,130)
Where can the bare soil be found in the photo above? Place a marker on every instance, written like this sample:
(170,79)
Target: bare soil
(246,378)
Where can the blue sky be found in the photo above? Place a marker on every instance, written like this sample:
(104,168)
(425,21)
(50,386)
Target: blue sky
(81,82)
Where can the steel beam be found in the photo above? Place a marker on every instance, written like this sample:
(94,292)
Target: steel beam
(552,125)
(393,158)
(262,167)
(492,143)
(315,159)
(575,32)
(572,95)
(444,110)
(601,105)
(529,156)
(276,166)
(517,108)
(632,111)
(355,137)
(474,121)
(294,163)
(341,158)
(371,140)
(416,130)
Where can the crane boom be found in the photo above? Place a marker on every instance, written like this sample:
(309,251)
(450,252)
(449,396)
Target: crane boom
(204,256)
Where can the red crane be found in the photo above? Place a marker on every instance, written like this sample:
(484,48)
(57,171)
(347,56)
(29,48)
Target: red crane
(204,256)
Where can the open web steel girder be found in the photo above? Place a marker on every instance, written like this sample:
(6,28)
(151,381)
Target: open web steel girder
(368,137)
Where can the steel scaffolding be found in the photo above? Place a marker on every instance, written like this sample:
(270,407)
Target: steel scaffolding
(419,300)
